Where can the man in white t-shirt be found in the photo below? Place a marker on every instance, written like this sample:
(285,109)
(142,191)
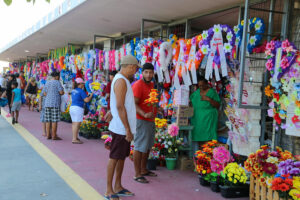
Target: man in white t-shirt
(122,125)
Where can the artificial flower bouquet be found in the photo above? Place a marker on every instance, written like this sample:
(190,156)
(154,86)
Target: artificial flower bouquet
(171,142)
(107,141)
(234,175)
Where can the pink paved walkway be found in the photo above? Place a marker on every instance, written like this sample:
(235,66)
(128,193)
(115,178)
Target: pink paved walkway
(89,160)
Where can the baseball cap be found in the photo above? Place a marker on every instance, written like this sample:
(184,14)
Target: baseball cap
(130,60)
(79,80)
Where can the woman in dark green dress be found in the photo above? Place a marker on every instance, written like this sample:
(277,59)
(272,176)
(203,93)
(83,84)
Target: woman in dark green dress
(206,103)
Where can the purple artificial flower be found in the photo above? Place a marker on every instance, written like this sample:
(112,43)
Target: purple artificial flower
(297,164)
(294,171)
(198,55)
(194,41)
(185,58)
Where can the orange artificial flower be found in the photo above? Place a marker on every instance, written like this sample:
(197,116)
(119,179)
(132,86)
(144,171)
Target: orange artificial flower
(268,91)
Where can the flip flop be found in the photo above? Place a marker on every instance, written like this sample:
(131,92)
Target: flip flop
(56,138)
(149,173)
(141,179)
(111,197)
(77,142)
(125,193)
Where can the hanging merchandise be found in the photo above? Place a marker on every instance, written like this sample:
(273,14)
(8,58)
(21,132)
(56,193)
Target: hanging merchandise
(255,23)
(165,58)
(284,90)
(212,45)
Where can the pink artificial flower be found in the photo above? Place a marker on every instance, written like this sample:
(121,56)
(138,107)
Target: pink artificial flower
(270,45)
(268,52)
(221,154)
(270,112)
(285,44)
(269,65)
(284,63)
(216,166)
(289,49)
(173,130)
(108,140)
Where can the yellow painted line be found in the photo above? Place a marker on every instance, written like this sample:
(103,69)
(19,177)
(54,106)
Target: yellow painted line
(80,186)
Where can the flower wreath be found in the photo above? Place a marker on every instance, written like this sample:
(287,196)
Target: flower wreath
(211,44)
(165,55)
(259,26)
(285,85)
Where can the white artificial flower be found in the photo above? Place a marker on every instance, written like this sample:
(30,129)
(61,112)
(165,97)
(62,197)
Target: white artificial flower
(162,137)
(227,48)
(205,49)
(170,143)
(252,40)
(217,28)
(236,29)
(159,140)
(229,36)
(237,40)
(166,146)
(258,25)
(204,35)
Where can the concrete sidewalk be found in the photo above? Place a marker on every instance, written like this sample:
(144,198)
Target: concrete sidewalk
(89,161)
(24,175)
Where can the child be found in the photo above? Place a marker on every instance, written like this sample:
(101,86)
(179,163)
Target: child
(16,102)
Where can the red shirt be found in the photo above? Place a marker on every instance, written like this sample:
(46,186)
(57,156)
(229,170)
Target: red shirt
(141,90)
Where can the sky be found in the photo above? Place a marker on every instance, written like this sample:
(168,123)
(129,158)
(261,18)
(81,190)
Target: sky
(19,16)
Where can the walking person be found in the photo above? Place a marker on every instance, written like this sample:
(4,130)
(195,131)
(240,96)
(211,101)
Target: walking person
(31,92)
(122,126)
(53,91)
(11,79)
(16,102)
(23,81)
(145,128)
(79,97)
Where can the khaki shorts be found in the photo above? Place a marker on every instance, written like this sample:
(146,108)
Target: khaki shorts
(31,96)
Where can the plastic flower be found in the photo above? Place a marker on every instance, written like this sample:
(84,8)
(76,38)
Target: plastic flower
(221,154)
(236,29)
(269,91)
(252,40)
(285,44)
(284,63)
(217,28)
(229,36)
(216,166)
(205,35)
(173,130)
(269,65)
(273,160)
(258,25)
(270,168)
(205,49)
(227,48)
(270,45)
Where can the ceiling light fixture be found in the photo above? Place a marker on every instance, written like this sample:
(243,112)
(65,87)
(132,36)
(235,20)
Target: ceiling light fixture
(26,51)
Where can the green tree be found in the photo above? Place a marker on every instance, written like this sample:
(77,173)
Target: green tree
(8,2)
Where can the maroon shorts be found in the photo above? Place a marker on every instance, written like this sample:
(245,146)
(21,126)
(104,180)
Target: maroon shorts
(119,148)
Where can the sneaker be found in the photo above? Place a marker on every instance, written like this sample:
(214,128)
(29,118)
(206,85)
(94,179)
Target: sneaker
(13,120)
(16,122)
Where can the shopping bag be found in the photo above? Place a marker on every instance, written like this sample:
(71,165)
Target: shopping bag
(3,102)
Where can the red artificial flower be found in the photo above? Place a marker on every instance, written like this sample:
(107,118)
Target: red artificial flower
(284,187)
(277,118)
(295,119)
(155,43)
(270,168)
(149,59)
(263,154)
(148,49)
(276,96)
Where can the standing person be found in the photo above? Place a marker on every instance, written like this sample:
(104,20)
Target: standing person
(31,92)
(18,80)
(76,109)
(52,91)
(16,102)
(122,126)
(11,79)
(206,103)
(145,128)
(108,88)
(4,82)
(23,81)
(42,109)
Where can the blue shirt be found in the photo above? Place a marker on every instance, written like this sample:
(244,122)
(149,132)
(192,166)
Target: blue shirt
(17,97)
(52,89)
(78,96)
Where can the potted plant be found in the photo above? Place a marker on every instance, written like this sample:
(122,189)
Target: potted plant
(234,181)
(171,145)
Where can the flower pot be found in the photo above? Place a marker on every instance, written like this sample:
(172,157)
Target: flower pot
(171,163)
(151,164)
(214,186)
(202,181)
(235,191)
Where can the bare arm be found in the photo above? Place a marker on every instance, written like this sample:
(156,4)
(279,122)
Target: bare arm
(120,89)
(26,87)
(140,111)
(12,98)
(88,99)
(211,101)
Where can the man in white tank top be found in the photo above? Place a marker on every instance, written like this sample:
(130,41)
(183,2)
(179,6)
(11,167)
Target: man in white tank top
(122,125)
